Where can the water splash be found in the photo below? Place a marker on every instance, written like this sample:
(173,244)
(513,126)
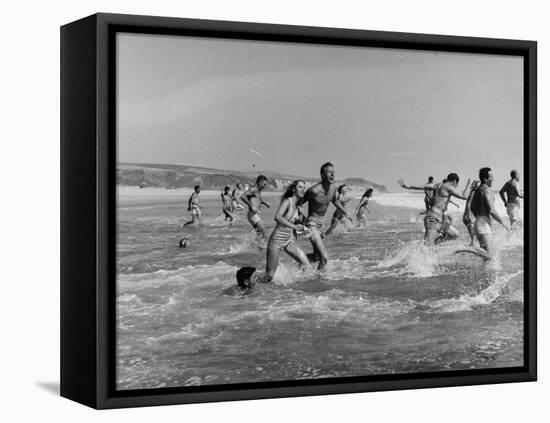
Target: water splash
(508,286)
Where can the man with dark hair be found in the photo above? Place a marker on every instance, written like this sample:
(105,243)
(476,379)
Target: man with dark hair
(510,195)
(442,194)
(427,188)
(483,208)
(318,198)
(253,199)
(194,206)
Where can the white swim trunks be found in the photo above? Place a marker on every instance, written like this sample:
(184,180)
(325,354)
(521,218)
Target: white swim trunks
(513,212)
(482,226)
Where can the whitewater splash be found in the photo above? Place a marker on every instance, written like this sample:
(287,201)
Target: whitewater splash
(509,286)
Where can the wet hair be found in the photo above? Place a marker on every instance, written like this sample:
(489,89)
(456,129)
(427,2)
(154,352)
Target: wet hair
(196,187)
(325,165)
(184,243)
(341,188)
(368,192)
(244,274)
(513,173)
(484,173)
(430,178)
(261,178)
(453,177)
(291,189)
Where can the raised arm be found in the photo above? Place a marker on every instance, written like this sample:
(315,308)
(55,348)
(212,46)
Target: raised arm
(402,184)
(456,193)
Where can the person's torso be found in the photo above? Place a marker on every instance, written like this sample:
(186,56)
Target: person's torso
(481,201)
(319,199)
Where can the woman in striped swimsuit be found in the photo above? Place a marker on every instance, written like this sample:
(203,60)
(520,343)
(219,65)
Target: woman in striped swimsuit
(282,237)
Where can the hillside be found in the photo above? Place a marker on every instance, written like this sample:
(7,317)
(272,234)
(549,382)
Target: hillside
(181,176)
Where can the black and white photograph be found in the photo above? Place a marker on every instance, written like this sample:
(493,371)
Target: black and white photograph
(292,211)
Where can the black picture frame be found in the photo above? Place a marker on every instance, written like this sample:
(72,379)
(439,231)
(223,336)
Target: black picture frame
(88,215)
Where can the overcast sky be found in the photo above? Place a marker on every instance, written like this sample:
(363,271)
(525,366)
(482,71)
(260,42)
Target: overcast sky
(380,114)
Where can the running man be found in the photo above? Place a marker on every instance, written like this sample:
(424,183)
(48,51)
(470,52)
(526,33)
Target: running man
(227,205)
(253,199)
(468,217)
(338,216)
(194,206)
(237,193)
(510,195)
(362,208)
(483,208)
(427,188)
(318,197)
(282,237)
(442,194)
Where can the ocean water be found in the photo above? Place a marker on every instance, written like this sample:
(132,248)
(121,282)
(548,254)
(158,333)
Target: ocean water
(385,305)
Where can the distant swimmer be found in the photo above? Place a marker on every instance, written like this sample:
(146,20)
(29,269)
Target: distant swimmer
(483,208)
(510,195)
(227,205)
(184,243)
(428,189)
(282,237)
(338,217)
(362,208)
(253,199)
(318,198)
(237,193)
(468,217)
(194,206)
(442,194)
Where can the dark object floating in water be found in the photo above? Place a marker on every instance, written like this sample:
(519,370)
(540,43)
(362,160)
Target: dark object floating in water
(244,274)
(184,243)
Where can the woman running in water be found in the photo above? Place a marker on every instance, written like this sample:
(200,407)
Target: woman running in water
(282,237)
(362,208)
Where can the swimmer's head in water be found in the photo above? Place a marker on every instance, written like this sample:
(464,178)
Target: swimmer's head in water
(184,243)
(244,277)
(327,172)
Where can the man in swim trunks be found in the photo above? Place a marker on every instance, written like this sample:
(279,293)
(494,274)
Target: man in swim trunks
(427,188)
(510,195)
(483,208)
(253,199)
(318,198)
(194,206)
(227,207)
(442,194)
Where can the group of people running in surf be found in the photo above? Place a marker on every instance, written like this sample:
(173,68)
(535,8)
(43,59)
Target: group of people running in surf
(292,223)
(479,210)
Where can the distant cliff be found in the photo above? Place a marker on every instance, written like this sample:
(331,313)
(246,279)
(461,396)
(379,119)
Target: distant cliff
(180,176)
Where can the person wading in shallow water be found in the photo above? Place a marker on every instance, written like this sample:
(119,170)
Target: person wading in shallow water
(282,237)
(253,199)
(318,197)
(483,208)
